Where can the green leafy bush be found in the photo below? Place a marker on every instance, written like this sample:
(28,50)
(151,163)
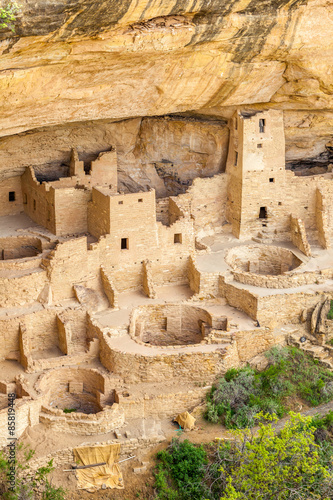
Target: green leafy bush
(284,466)
(293,464)
(180,472)
(243,393)
(8,15)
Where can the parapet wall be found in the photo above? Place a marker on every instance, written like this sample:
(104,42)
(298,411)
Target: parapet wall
(135,368)
(293,280)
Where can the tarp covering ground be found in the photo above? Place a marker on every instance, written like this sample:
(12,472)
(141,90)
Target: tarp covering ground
(93,478)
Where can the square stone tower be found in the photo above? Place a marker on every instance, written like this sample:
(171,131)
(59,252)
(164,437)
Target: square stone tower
(256,172)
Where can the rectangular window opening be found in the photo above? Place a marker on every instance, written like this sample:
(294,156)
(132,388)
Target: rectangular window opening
(124,244)
(259,146)
(236,158)
(271,179)
(280,203)
(140,200)
(177,238)
(263,213)
(120,202)
(262,124)
(11,196)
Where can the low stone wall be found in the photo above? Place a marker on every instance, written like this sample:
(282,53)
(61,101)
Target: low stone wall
(102,422)
(162,405)
(58,380)
(239,298)
(262,260)
(288,307)
(253,342)
(298,235)
(194,366)
(26,415)
(282,281)
(204,285)
(22,290)
(66,457)
(19,247)
(21,264)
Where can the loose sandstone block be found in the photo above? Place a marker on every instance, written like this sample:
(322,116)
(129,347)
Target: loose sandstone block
(139,470)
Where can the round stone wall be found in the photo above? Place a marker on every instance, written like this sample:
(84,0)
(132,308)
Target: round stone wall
(169,324)
(267,260)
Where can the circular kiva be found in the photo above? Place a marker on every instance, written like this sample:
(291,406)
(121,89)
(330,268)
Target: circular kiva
(79,390)
(169,324)
(265,260)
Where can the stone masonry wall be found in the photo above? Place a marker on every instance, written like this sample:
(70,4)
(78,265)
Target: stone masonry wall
(11,185)
(298,235)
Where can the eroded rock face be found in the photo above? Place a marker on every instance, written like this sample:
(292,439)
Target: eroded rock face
(74,61)
(165,153)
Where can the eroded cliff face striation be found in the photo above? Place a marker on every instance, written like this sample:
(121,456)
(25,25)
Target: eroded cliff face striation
(111,60)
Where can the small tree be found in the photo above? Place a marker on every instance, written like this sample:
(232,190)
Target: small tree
(8,15)
(284,466)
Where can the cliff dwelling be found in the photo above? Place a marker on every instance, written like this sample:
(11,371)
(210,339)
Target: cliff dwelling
(105,294)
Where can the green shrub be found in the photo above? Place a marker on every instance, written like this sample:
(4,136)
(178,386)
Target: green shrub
(271,466)
(294,464)
(244,392)
(180,472)
(70,410)
(325,421)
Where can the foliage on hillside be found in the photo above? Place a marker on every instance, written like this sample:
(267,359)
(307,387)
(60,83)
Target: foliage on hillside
(245,392)
(293,464)
(18,481)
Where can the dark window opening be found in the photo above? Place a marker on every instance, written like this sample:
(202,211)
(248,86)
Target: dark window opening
(259,146)
(87,167)
(263,213)
(236,158)
(280,203)
(124,243)
(271,179)
(140,200)
(11,196)
(262,123)
(35,204)
(264,224)
(177,238)
(120,202)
